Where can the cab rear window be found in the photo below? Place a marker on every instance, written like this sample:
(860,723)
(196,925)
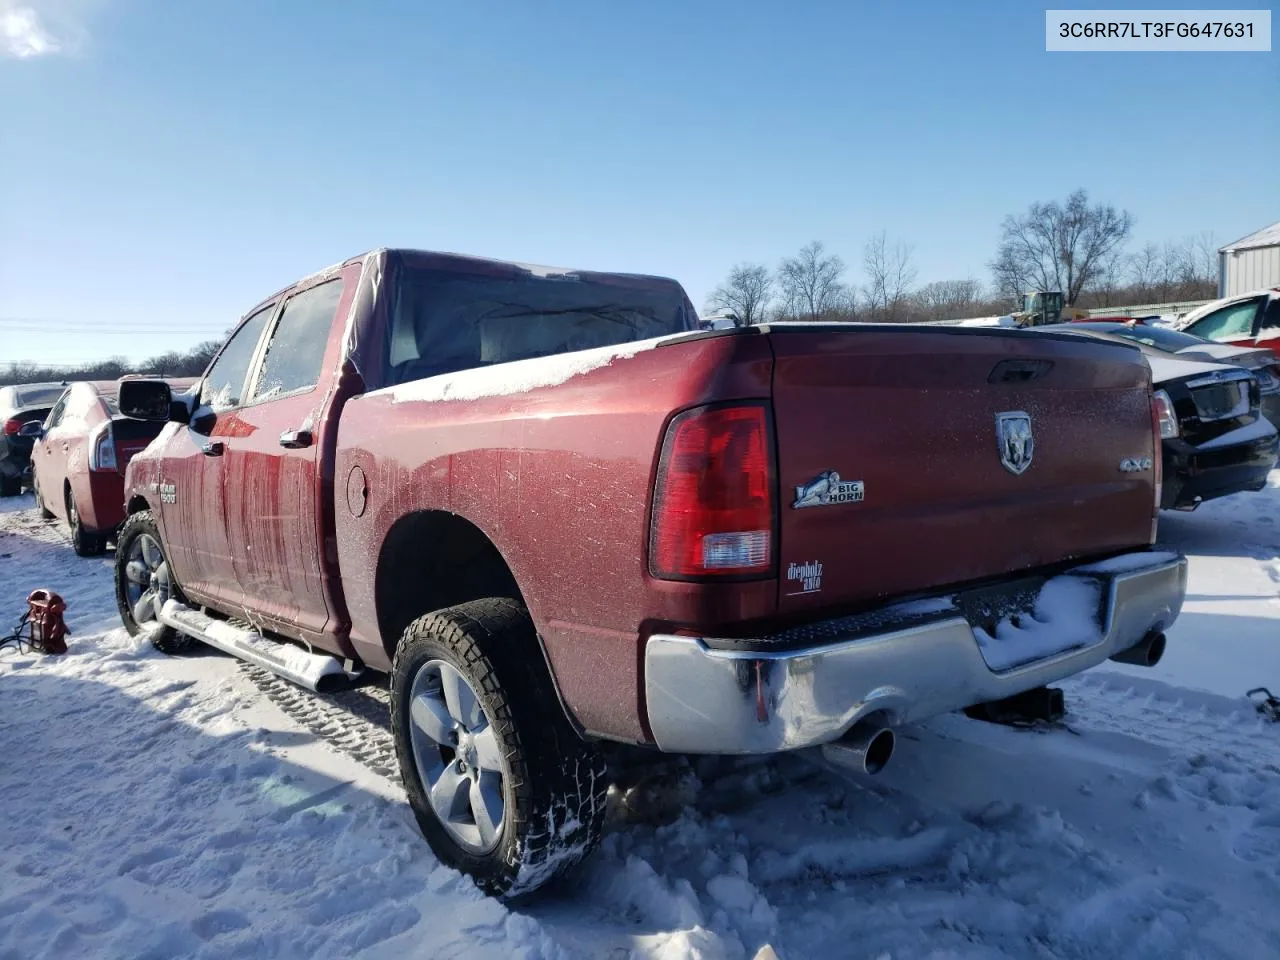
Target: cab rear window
(443,322)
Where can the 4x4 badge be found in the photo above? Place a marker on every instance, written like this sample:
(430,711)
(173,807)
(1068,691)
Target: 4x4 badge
(827,488)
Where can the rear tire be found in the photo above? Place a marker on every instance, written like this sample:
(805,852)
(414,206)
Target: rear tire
(142,568)
(10,486)
(84,542)
(45,512)
(523,796)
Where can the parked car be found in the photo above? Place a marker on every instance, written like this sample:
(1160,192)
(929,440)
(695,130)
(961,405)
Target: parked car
(560,517)
(1247,320)
(79,458)
(1215,440)
(1263,364)
(28,401)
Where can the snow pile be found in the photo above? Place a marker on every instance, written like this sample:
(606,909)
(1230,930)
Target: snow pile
(1063,619)
(518,376)
(164,807)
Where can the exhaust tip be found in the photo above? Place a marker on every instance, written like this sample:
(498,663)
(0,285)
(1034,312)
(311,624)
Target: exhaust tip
(1155,648)
(863,750)
(1146,652)
(879,751)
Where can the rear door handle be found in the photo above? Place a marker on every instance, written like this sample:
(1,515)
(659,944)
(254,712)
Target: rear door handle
(213,448)
(295,439)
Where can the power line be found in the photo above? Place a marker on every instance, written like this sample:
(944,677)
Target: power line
(106,327)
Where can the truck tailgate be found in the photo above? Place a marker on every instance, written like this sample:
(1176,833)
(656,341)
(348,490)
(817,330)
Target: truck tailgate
(908,419)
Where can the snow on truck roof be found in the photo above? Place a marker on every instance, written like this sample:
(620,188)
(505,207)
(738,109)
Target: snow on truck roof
(465,262)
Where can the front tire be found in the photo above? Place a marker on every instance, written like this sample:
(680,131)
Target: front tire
(144,583)
(502,787)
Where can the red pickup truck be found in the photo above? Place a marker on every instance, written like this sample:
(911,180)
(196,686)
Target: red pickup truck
(559,516)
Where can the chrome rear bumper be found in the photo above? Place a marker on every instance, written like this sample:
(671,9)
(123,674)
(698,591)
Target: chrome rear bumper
(705,698)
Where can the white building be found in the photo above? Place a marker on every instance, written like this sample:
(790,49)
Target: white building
(1251,263)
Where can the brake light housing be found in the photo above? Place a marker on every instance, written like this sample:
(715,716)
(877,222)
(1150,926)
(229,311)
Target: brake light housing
(102,448)
(715,502)
(1159,410)
(1166,420)
(12,426)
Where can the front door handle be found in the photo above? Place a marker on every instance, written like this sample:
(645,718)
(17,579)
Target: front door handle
(213,448)
(295,439)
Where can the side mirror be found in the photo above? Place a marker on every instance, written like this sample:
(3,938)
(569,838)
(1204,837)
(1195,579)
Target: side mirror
(150,400)
(33,429)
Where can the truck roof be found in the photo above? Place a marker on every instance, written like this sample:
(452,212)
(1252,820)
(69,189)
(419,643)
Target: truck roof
(467,263)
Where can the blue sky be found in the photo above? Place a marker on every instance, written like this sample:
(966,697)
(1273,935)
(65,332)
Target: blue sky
(165,164)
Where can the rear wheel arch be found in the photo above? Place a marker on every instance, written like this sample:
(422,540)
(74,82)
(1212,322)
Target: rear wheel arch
(432,560)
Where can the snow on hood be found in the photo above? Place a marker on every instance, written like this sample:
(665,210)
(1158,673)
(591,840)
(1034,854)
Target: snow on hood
(518,376)
(1225,353)
(1173,369)
(1260,429)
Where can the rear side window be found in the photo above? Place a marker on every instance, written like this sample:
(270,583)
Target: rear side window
(1271,319)
(296,349)
(224,386)
(55,415)
(442,322)
(1233,321)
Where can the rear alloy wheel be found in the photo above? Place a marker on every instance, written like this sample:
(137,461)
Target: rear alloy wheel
(455,751)
(84,542)
(503,788)
(144,584)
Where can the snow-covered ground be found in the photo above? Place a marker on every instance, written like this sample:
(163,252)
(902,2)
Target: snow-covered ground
(163,807)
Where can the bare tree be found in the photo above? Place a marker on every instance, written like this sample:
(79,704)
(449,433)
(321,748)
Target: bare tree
(811,283)
(746,292)
(1059,246)
(1182,270)
(172,364)
(949,300)
(890,274)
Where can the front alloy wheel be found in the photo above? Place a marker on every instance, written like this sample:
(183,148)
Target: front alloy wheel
(144,583)
(147,585)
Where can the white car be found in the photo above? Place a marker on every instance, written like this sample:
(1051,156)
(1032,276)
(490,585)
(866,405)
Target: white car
(1245,320)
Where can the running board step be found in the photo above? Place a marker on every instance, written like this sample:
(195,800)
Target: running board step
(314,671)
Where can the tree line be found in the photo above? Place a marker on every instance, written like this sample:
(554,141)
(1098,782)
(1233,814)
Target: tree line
(175,363)
(1074,246)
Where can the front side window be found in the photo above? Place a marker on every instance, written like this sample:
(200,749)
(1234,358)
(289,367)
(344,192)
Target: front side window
(1228,323)
(296,349)
(1271,319)
(224,386)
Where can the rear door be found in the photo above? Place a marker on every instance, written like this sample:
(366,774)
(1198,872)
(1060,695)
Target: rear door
(192,507)
(959,455)
(275,493)
(49,459)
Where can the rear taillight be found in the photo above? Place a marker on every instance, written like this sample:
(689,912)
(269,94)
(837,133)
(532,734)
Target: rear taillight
(1159,410)
(1166,419)
(102,448)
(11,427)
(714,503)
